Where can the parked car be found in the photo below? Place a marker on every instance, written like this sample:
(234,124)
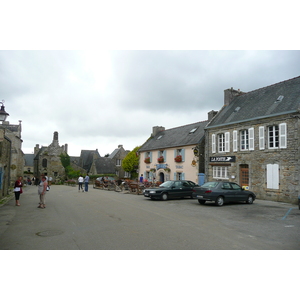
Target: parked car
(221,192)
(171,189)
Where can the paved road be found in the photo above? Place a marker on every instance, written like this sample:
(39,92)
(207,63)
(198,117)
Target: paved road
(109,220)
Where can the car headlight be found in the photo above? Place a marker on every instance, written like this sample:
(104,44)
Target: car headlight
(152,192)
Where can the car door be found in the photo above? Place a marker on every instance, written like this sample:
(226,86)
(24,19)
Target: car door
(228,192)
(238,192)
(176,190)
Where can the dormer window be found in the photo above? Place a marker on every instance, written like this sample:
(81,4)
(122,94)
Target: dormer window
(159,137)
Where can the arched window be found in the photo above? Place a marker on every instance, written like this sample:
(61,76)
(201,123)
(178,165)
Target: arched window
(44,163)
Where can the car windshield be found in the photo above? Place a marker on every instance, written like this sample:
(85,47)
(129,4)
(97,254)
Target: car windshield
(210,184)
(167,184)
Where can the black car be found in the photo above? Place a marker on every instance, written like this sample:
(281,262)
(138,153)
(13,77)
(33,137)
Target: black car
(171,189)
(221,192)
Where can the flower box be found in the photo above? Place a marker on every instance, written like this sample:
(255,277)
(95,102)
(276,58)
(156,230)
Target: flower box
(160,159)
(147,160)
(178,158)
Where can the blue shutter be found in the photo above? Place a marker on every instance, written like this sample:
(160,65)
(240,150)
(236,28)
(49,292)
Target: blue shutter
(182,176)
(183,154)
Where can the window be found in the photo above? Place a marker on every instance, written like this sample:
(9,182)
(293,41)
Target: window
(44,163)
(179,153)
(220,172)
(179,176)
(244,138)
(277,136)
(221,142)
(119,162)
(273,137)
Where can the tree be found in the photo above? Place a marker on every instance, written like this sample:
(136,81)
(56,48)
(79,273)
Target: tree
(131,162)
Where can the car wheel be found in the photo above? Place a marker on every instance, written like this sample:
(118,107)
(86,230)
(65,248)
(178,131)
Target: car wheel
(249,200)
(220,201)
(164,196)
(201,201)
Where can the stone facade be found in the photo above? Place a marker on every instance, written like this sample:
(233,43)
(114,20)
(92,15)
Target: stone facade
(47,160)
(255,161)
(5,160)
(13,133)
(117,157)
(255,141)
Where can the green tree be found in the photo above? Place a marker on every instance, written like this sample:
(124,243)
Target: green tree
(131,162)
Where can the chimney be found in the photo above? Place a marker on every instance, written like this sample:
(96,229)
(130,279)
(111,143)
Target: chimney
(66,148)
(229,94)
(157,129)
(211,114)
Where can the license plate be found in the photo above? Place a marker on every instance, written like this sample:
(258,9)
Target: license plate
(199,196)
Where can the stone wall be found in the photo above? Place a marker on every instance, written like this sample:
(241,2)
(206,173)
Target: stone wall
(288,159)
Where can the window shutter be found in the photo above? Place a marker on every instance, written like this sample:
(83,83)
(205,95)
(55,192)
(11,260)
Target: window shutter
(183,154)
(282,135)
(150,156)
(234,141)
(273,176)
(182,176)
(165,155)
(174,176)
(261,137)
(175,153)
(213,140)
(227,140)
(251,138)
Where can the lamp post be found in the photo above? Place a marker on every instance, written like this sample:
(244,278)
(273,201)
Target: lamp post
(3,113)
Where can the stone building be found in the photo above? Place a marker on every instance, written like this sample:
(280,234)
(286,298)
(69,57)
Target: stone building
(117,157)
(13,133)
(5,162)
(254,140)
(47,159)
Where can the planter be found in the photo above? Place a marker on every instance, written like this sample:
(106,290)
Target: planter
(147,160)
(160,159)
(178,158)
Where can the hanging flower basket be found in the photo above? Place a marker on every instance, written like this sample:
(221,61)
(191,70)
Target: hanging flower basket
(178,158)
(160,159)
(147,160)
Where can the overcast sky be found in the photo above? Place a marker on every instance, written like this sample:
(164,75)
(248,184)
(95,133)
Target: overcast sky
(102,99)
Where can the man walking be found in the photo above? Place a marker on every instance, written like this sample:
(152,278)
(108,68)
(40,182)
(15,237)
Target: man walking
(86,182)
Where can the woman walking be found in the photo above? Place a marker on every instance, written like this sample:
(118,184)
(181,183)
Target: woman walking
(42,188)
(18,189)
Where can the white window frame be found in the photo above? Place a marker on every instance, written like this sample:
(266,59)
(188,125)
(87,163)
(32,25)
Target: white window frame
(244,140)
(220,172)
(221,142)
(275,135)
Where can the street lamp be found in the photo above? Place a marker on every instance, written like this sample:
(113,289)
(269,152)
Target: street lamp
(3,113)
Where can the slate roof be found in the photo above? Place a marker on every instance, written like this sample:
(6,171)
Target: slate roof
(105,165)
(87,157)
(277,99)
(176,137)
(29,159)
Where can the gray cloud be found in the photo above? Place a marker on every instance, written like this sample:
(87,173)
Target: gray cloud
(100,99)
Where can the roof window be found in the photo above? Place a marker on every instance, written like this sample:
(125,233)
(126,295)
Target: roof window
(193,130)
(159,137)
(279,99)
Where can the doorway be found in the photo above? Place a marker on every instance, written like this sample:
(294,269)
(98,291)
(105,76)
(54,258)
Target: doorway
(244,175)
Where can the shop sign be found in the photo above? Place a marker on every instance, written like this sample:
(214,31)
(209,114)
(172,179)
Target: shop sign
(222,159)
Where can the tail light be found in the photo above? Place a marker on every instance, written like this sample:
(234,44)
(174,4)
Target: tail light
(208,191)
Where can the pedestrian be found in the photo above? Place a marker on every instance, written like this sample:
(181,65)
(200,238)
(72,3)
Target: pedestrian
(80,182)
(42,188)
(18,189)
(86,182)
(50,180)
(141,178)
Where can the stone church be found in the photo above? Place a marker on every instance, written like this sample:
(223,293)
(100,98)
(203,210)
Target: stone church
(47,159)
